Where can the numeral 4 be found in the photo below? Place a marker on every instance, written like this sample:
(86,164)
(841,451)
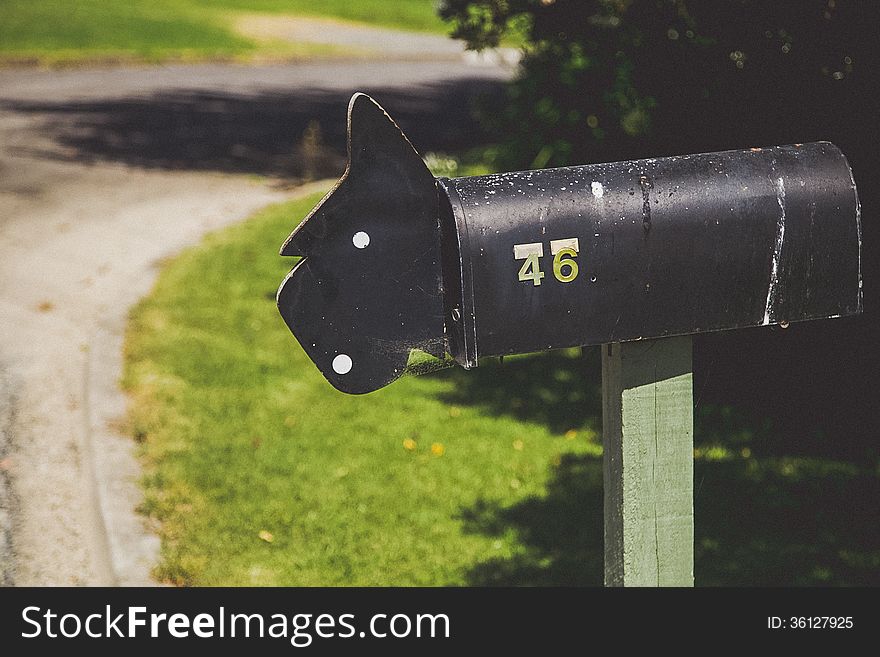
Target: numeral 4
(531,268)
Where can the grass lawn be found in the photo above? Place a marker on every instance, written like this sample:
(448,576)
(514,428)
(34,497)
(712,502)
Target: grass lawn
(58,31)
(417,15)
(260,473)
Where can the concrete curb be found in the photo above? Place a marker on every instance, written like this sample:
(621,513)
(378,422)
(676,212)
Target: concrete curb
(7,496)
(128,548)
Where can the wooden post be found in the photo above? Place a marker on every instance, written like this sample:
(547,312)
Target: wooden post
(648,465)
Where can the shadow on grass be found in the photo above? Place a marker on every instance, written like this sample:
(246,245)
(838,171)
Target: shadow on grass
(560,533)
(773,506)
(770,522)
(558,389)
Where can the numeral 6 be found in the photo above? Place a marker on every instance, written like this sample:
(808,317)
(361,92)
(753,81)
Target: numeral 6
(570,262)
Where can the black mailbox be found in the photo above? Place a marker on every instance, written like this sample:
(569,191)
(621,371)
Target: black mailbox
(394,260)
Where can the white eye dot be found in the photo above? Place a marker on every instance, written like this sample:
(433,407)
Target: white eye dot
(342,364)
(361,240)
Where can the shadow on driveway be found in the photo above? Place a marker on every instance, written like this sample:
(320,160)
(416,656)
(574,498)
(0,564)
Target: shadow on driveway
(296,134)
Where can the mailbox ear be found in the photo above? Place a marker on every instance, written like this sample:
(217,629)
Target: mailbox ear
(368,289)
(378,154)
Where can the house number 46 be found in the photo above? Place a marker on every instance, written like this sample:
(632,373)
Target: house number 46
(564,252)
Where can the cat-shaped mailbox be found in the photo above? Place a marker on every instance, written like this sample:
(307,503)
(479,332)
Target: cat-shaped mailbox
(394,260)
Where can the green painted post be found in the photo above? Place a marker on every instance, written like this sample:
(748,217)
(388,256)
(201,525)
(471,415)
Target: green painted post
(648,465)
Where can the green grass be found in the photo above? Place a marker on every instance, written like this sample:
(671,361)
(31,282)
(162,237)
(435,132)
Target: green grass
(417,15)
(57,31)
(242,435)
(91,29)
(258,472)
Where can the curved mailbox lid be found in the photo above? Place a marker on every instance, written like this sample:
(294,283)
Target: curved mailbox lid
(659,247)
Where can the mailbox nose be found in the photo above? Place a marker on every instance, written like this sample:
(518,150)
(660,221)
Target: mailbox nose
(367,290)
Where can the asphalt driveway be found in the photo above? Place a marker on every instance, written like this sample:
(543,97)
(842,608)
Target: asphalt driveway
(103,174)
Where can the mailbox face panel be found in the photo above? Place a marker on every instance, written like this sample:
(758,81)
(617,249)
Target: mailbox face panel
(368,288)
(648,248)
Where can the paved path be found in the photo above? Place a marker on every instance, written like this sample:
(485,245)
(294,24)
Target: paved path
(103,173)
(375,43)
